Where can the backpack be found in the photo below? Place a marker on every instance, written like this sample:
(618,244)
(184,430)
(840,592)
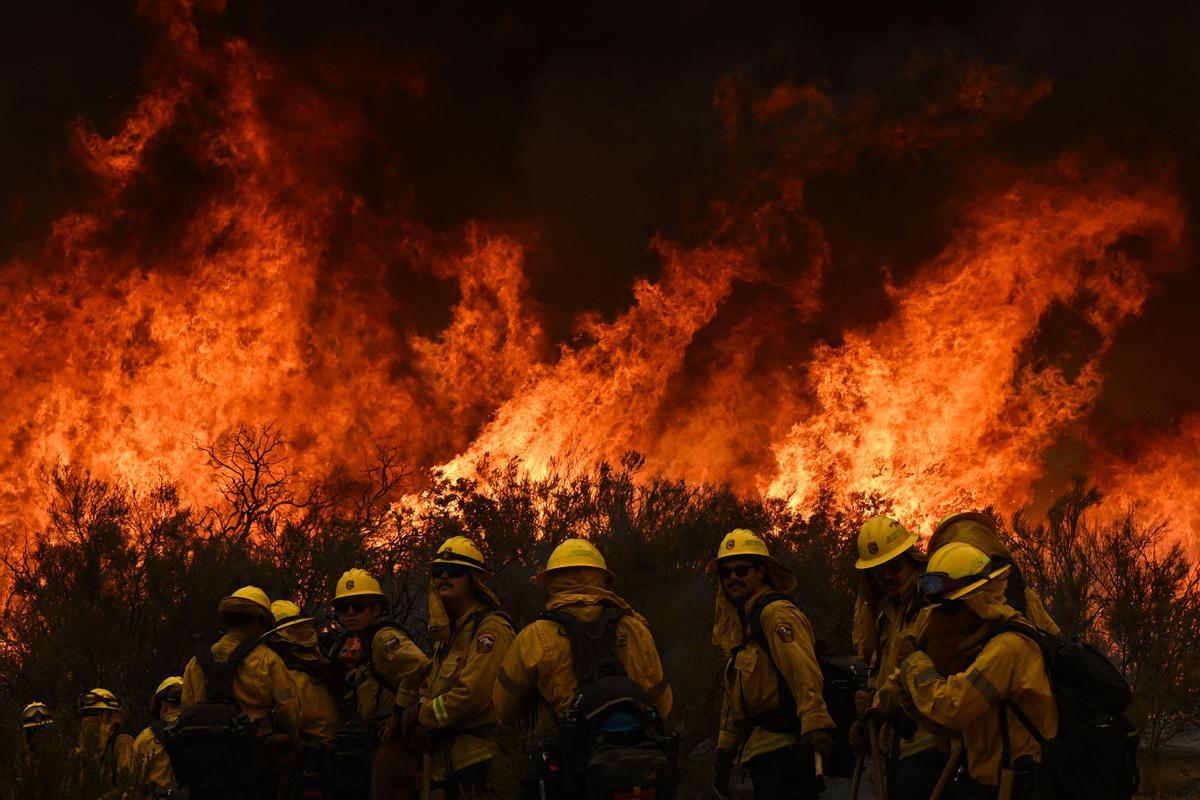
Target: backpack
(842,676)
(212,745)
(613,741)
(1094,754)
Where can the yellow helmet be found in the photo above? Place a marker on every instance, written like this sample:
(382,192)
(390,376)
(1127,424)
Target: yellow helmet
(171,688)
(287,617)
(574,553)
(98,700)
(357,583)
(35,715)
(246,600)
(459,550)
(965,516)
(957,569)
(740,543)
(880,540)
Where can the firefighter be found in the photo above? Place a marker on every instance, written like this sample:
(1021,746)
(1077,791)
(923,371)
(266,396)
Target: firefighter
(294,640)
(149,753)
(981,531)
(100,736)
(538,671)
(35,719)
(967,587)
(262,688)
(381,668)
(886,612)
(471,635)
(773,719)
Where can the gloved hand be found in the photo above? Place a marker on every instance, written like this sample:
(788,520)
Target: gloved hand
(415,734)
(859,743)
(862,701)
(908,645)
(723,772)
(819,742)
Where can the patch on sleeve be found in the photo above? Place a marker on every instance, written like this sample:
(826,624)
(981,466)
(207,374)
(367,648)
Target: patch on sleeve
(484,642)
(784,631)
(391,644)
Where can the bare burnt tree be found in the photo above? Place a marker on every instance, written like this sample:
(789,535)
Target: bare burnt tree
(250,471)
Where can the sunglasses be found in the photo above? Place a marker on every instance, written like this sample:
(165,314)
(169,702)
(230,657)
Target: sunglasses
(740,571)
(447,570)
(354,606)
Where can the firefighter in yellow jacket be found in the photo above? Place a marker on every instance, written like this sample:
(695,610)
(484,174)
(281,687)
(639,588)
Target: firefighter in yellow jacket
(773,718)
(262,687)
(294,640)
(382,669)
(539,673)
(35,719)
(966,585)
(100,736)
(149,753)
(886,613)
(454,720)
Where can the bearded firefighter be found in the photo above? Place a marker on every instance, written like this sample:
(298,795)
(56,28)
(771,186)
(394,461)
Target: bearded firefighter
(454,720)
(149,750)
(886,613)
(540,672)
(381,669)
(773,718)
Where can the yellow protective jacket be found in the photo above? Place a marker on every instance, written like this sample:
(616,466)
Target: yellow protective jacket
(897,618)
(539,663)
(151,761)
(751,683)
(456,695)
(1009,666)
(103,740)
(263,689)
(394,658)
(318,709)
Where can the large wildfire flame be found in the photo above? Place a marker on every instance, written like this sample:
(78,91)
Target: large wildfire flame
(276,295)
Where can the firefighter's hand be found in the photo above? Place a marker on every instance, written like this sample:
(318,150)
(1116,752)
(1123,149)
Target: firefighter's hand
(908,645)
(862,701)
(723,772)
(819,742)
(859,742)
(387,728)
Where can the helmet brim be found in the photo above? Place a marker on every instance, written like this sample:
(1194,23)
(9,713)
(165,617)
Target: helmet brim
(963,591)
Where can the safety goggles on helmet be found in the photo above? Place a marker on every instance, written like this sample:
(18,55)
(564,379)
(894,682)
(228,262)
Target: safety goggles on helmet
(36,715)
(447,570)
(173,695)
(936,585)
(98,702)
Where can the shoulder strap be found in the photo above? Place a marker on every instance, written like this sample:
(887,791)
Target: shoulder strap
(787,700)
(593,644)
(157,726)
(220,675)
(1033,634)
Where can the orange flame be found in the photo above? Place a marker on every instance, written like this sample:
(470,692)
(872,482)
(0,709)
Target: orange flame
(270,297)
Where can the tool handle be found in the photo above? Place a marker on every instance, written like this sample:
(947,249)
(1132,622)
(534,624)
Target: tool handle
(1007,782)
(948,771)
(856,778)
(880,781)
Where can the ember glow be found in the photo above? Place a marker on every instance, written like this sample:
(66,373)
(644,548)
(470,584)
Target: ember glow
(279,295)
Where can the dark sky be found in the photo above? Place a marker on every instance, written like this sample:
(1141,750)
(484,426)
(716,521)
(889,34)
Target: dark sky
(596,126)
